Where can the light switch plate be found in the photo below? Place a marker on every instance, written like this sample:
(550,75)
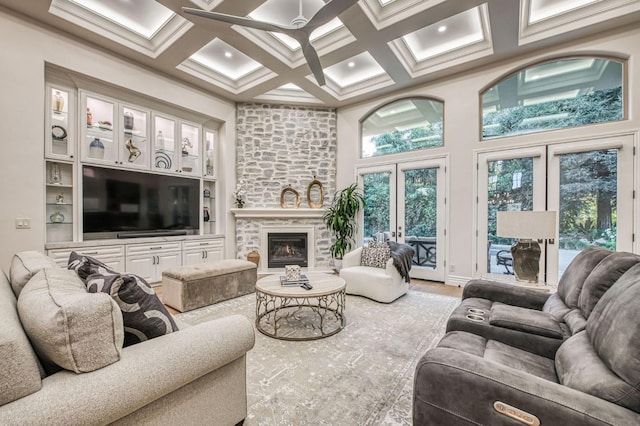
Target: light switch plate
(23,223)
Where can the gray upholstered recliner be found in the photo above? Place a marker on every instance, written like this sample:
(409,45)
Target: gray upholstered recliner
(536,321)
(593,380)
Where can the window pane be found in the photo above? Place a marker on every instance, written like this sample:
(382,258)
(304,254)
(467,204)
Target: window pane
(588,202)
(503,195)
(421,214)
(554,95)
(376,210)
(404,125)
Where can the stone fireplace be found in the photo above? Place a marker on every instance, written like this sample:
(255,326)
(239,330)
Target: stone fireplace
(278,146)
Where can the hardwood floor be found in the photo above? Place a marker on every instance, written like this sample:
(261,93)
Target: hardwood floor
(418,285)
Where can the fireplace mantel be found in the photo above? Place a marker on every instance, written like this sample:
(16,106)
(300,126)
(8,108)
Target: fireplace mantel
(278,213)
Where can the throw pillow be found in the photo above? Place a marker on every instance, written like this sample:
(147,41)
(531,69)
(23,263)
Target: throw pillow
(378,244)
(87,265)
(67,326)
(144,315)
(375,257)
(25,265)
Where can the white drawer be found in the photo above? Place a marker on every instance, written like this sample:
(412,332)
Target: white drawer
(203,244)
(61,256)
(144,249)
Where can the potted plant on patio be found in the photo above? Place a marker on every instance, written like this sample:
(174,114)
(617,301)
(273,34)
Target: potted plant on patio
(341,219)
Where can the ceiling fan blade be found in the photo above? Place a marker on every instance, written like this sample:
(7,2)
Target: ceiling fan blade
(237,20)
(328,12)
(313,60)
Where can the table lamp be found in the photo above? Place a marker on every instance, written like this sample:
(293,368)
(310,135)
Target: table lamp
(527,227)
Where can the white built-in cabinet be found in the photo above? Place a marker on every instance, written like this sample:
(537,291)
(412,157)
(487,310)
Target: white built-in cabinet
(112,256)
(202,251)
(149,260)
(176,146)
(113,133)
(84,127)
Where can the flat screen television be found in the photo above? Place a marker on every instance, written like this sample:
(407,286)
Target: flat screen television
(124,204)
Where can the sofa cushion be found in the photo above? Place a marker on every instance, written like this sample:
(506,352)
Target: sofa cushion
(19,372)
(25,265)
(67,326)
(573,278)
(614,331)
(143,314)
(87,265)
(525,320)
(603,276)
(556,307)
(375,257)
(579,367)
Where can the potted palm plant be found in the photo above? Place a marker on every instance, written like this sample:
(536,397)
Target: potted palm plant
(341,219)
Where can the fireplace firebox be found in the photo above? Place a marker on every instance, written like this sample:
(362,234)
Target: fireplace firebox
(287,249)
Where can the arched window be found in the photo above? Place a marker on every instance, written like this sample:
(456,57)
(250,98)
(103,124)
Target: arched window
(404,125)
(553,95)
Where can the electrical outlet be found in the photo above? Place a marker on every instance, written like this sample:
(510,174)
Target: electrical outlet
(452,268)
(23,223)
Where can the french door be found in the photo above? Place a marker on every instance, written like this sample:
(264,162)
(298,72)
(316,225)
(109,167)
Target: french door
(589,184)
(405,202)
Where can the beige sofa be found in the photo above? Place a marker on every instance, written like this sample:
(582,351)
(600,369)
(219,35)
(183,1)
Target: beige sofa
(195,376)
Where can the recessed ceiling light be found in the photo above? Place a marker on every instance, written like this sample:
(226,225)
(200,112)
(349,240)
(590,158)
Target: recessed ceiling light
(351,64)
(228,54)
(442,28)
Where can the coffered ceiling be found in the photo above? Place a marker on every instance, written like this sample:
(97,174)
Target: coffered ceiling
(374,47)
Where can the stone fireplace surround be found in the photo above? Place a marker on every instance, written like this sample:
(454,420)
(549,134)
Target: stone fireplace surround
(277,146)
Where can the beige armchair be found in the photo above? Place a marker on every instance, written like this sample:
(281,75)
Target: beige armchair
(382,285)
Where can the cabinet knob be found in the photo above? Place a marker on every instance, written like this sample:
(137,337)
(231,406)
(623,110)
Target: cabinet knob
(71,156)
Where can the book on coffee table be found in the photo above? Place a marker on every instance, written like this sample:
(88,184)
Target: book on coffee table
(303,280)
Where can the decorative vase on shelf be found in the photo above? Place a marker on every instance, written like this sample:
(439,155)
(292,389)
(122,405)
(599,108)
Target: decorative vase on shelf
(206,216)
(58,102)
(56,217)
(55,176)
(206,193)
(96,149)
(128,121)
(160,140)
(89,117)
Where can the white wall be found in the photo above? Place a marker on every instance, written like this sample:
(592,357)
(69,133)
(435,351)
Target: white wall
(461,133)
(24,49)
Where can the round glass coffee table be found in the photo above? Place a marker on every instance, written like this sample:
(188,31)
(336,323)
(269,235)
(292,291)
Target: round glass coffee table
(293,313)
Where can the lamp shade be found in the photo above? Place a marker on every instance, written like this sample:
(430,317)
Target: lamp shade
(527,224)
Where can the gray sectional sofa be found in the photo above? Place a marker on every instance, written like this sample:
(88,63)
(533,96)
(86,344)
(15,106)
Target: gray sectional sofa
(508,369)
(194,376)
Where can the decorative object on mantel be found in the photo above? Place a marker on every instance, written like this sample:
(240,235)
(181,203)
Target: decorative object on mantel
(315,194)
(239,196)
(254,256)
(289,198)
(340,219)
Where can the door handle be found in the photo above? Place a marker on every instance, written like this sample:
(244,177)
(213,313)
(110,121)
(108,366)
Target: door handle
(399,234)
(393,234)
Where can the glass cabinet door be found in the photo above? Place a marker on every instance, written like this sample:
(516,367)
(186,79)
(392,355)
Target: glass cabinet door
(209,154)
(98,141)
(164,144)
(59,136)
(134,149)
(190,149)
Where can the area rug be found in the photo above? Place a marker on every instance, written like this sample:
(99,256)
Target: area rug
(362,375)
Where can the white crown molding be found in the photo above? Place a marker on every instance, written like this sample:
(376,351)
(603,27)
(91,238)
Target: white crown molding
(238,86)
(383,16)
